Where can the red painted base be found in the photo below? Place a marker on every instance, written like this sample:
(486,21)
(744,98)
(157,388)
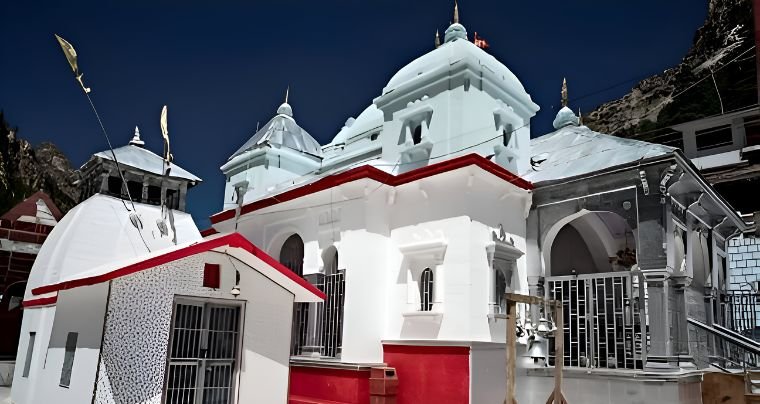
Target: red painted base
(430,374)
(310,385)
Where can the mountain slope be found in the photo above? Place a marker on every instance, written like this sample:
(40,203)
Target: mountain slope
(722,48)
(25,170)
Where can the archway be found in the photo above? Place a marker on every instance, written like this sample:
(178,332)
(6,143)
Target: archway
(291,254)
(589,243)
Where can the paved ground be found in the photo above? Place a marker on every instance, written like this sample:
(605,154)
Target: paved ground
(5,395)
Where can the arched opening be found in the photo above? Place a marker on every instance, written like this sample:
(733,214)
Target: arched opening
(588,258)
(426,290)
(331,311)
(596,242)
(291,254)
(10,317)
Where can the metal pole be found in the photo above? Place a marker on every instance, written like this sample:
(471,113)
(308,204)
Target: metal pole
(511,350)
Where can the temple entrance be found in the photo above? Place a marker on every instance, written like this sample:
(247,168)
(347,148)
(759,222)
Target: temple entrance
(590,261)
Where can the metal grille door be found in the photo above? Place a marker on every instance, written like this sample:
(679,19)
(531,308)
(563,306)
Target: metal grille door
(602,321)
(203,353)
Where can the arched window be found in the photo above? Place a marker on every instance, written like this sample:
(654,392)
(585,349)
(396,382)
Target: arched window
(426,290)
(417,134)
(291,254)
(500,287)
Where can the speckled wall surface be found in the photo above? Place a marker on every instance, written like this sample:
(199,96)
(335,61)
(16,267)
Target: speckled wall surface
(136,338)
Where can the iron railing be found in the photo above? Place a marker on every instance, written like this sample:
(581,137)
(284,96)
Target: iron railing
(603,320)
(726,349)
(318,327)
(742,312)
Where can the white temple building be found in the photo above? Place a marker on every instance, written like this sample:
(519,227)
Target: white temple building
(391,246)
(434,201)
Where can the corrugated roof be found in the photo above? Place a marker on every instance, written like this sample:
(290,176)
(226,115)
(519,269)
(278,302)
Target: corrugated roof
(576,150)
(145,160)
(28,207)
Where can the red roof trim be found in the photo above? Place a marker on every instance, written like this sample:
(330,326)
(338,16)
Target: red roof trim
(208,232)
(43,301)
(373,173)
(232,240)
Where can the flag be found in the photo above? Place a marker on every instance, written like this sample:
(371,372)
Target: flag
(480,42)
(164,126)
(71,57)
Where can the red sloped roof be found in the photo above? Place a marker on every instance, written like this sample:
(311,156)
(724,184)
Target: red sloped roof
(367,171)
(28,207)
(141,264)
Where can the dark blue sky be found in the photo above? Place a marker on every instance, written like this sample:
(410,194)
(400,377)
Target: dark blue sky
(221,66)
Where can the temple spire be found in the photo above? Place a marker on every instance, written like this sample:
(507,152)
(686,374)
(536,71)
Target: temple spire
(456,12)
(564,92)
(287,93)
(437,39)
(136,141)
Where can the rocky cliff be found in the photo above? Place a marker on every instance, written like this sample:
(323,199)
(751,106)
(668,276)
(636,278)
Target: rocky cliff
(722,48)
(25,169)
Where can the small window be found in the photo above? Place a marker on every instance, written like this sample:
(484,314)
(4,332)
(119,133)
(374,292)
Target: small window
(154,195)
(29,352)
(114,185)
(500,287)
(374,136)
(211,276)
(68,358)
(426,290)
(172,199)
(135,190)
(417,134)
(506,136)
(714,137)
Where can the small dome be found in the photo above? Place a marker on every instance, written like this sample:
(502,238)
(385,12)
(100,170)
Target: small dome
(565,117)
(282,130)
(285,109)
(370,118)
(455,31)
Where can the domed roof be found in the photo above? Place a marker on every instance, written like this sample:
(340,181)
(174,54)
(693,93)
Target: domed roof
(98,231)
(370,118)
(565,117)
(457,49)
(282,130)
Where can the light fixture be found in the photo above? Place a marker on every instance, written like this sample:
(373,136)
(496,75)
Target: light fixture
(235,291)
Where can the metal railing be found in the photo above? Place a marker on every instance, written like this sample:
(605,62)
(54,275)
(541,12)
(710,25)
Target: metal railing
(603,320)
(727,349)
(318,327)
(742,312)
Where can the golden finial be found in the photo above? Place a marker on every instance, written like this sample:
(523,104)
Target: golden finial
(437,39)
(456,12)
(287,92)
(564,92)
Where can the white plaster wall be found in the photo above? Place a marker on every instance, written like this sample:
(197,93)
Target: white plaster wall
(134,358)
(79,311)
(488,373)
(39,320)
(461,118)
(260,178)
(368,222)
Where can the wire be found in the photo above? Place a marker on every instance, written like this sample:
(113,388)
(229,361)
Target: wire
(110,147)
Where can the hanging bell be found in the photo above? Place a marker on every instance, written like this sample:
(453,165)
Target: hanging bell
(543,326)
(537,348)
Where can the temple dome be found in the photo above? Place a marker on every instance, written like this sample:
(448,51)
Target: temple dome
(369,119)
(565,117)
(457,50)
(282,131)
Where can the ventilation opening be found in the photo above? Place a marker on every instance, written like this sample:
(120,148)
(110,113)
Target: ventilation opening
(417,134)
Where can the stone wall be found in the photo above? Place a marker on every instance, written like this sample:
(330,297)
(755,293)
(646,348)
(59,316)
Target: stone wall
(743,262)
